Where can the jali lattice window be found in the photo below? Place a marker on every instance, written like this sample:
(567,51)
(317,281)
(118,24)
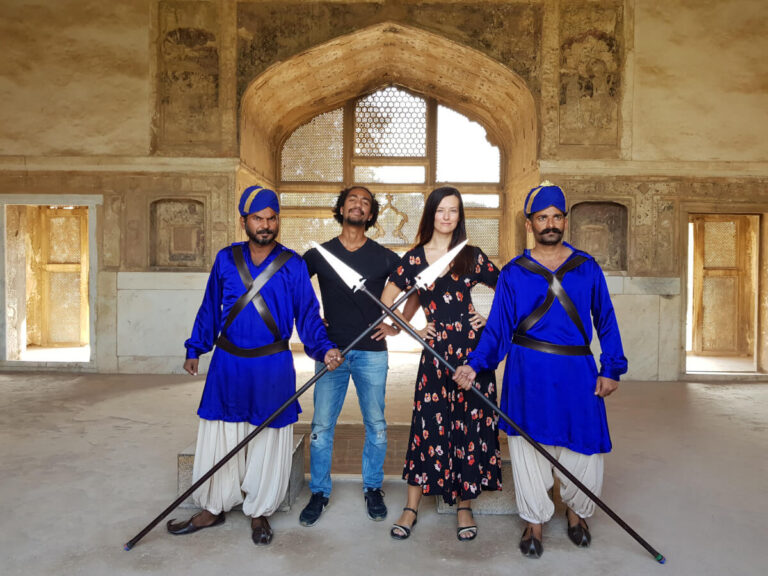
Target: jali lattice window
(400,145)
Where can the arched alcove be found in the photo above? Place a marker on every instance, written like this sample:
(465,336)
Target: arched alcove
(323,77)
(600,228)
(177,233)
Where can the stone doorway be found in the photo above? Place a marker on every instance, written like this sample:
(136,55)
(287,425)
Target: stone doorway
(47,283)
(722,293)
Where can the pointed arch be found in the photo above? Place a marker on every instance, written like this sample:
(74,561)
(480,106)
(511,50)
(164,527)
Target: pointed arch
(325,76)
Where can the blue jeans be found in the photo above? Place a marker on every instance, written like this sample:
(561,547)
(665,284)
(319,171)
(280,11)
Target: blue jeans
(369,373)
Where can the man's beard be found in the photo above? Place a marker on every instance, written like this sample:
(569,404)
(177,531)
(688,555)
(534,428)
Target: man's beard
(354,220)
(550,241)
(263,240)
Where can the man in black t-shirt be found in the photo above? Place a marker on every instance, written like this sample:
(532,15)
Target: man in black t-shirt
(347,315)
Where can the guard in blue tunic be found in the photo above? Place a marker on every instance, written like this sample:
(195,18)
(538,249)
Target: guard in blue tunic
(545,304)
(256,291)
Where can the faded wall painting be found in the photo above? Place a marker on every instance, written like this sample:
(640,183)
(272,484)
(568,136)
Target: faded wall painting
(590,71)
(272,31)
(188,77)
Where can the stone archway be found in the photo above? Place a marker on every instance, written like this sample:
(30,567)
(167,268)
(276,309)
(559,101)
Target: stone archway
(321,78)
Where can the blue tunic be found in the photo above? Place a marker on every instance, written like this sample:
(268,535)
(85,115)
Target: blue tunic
(251,389)
(551,396)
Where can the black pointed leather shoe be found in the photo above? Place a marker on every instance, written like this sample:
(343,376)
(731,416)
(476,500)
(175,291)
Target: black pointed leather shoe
(187,527)
(531,547)
(261,531)
(579,534)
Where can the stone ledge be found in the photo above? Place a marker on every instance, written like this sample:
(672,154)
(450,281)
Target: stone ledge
(174,281)
(94,163)
(186,460)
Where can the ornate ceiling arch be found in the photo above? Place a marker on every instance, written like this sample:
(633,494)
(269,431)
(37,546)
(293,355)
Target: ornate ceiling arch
(322,78)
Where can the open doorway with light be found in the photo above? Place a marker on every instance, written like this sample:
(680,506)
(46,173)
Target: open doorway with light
(47,287)
(721,317)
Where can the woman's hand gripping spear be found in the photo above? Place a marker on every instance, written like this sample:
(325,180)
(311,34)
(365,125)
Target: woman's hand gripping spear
(348,273)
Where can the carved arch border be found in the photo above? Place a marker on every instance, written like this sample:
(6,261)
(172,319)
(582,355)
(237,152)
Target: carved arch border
(319,79)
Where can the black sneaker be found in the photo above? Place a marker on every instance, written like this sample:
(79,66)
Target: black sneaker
(374,503)
(312,511)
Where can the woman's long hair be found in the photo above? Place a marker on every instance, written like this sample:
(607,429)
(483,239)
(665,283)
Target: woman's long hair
(463,263)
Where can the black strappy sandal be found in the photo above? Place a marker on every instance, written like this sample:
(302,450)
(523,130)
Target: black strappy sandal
(405,529)
(462,531)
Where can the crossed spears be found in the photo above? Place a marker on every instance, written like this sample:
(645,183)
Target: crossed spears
(357,283)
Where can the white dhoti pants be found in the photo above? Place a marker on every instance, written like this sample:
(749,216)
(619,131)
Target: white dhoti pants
(533,478)
(257,476)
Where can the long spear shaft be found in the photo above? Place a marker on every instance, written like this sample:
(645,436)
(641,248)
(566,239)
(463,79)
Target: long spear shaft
(405,326)
(132,542)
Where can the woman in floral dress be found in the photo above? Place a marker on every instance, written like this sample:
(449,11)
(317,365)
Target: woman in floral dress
(454,444)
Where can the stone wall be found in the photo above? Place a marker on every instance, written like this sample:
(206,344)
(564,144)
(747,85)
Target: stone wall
(700,89)
(127,241)
(657,211)
(16,281)
(657,107)
(75,78)
(651,80)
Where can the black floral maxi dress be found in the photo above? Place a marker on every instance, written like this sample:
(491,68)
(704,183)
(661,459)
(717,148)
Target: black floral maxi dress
(454,442)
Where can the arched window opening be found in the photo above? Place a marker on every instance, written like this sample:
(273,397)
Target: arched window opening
(401,145)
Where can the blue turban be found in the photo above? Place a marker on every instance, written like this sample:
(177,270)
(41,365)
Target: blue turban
(543,197)
(256,198)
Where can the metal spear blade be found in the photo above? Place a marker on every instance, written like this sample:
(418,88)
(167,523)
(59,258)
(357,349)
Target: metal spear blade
(348,274)
(427,276)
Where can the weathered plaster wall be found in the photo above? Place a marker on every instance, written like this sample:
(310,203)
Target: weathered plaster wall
(175,299)
(654,243)
(138,101)
(701,80)
(15,281)
(126,238)
(509,32)
(81,77)
(74,77)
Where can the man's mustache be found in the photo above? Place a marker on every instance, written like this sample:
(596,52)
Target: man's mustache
(552,231)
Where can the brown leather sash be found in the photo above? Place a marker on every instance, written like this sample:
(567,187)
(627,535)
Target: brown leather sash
(252,294)
(555,291)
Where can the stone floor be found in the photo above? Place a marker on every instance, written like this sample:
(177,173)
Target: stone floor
(86,461)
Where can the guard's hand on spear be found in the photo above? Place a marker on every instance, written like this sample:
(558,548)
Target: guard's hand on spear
(333,359)
(464,377)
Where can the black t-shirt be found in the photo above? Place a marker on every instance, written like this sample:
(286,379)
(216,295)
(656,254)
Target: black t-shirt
(349,313)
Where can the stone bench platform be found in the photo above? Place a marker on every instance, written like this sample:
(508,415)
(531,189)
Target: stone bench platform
(496,502)
(186,460)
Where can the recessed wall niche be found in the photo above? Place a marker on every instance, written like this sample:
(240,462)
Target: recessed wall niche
(177,234)
(600,228)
